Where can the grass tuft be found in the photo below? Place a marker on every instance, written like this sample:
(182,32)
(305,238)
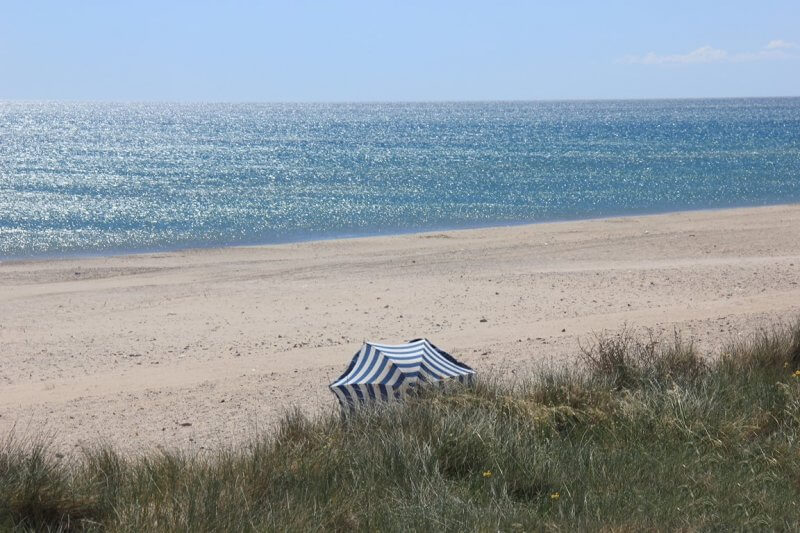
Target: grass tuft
(775,349)
(629,361)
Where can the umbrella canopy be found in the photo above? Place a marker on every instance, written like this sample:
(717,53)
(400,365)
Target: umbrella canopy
(382,372)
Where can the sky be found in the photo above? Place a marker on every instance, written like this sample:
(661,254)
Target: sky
(301,51)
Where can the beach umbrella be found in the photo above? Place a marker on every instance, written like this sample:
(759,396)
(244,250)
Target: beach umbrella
(383,372)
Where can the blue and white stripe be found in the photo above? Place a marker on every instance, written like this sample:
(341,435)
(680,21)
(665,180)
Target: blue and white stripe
(382,372)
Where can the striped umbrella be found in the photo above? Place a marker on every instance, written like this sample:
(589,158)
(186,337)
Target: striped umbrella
(382,372)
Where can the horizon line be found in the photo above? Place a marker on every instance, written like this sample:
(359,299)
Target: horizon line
(361,102)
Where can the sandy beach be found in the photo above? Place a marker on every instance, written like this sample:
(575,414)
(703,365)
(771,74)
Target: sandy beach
(199,348)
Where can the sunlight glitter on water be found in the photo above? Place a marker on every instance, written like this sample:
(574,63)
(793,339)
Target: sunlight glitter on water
(103,178)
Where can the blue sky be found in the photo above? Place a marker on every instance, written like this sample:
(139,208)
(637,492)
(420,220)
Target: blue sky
(397,51)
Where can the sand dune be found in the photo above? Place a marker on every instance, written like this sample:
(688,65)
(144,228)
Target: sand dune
(128,349)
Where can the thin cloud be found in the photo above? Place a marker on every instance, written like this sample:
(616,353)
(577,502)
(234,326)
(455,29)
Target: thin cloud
(775,49)
(779,44)
(704,54)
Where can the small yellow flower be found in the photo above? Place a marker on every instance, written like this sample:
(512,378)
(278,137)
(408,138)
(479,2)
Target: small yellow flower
(796,373)
(555,496)
(786,364)
(487,473)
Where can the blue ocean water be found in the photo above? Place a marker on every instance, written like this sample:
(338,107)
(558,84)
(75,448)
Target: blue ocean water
(92,178)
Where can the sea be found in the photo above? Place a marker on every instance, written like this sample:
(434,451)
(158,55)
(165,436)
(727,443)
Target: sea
(80,178)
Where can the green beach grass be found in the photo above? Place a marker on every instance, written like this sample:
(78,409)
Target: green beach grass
(644,435)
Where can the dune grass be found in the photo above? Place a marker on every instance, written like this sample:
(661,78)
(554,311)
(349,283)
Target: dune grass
(645,434)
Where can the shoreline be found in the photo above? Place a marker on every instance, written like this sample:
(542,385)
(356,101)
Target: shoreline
(312,240)
(127,349)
